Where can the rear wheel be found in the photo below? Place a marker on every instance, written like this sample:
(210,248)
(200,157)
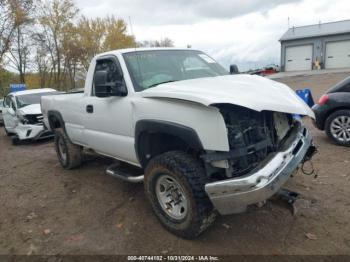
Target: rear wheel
(69,154)
(338,127)
(174,184)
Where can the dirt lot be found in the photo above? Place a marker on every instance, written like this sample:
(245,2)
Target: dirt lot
(47,210)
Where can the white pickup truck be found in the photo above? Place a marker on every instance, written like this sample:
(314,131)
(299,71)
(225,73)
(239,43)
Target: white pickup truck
(207,141)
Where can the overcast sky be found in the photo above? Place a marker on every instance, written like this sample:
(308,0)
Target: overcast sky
(243,32)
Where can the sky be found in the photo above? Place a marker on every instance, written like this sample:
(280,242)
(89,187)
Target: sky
(243,32)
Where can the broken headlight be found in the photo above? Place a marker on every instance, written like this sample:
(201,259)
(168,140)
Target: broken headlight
(23,119)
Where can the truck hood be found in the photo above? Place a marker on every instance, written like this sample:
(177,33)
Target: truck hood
(34,109)
(254,92)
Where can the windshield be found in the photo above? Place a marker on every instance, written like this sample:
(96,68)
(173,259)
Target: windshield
(150,68)
(29,99)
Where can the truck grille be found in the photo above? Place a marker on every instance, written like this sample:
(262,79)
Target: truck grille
(36,119)
(252,136)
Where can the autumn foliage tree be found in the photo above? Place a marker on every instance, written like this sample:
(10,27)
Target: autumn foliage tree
(18,53)
(102,34)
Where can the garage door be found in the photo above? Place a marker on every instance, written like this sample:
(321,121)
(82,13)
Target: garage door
(298,58)
(338,54)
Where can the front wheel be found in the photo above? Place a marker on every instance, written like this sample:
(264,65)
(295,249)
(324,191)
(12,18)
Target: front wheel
(69,154)
(174,184)
(15,140)
(338,127)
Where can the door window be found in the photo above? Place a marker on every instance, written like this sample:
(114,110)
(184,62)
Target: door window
(7,102)
(13,103)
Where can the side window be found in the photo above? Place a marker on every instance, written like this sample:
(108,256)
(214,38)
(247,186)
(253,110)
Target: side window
(112,67)
(7,102)
(13,104)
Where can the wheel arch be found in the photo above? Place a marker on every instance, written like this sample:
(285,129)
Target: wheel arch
(153,137)
(55,120)
(333,110)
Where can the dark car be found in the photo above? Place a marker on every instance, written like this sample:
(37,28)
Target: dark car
(333,113)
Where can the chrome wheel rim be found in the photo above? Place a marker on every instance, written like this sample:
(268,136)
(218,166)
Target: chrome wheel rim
(62,150)
(340,128)
(171,197)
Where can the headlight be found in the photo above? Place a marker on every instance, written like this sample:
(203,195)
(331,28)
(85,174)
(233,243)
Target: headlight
(23,119)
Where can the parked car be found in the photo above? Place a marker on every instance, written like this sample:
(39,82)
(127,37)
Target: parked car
(22,115)
(1,105)
(333,113)
(206,141)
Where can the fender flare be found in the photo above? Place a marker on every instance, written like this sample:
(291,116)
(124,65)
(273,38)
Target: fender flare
(187,134)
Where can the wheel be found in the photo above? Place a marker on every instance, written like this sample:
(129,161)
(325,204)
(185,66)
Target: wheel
(15,140)
(69,154)
(338,127)
(174,184)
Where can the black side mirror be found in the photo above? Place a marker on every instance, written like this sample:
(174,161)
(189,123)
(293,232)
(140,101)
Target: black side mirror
(106,88)
(234,69)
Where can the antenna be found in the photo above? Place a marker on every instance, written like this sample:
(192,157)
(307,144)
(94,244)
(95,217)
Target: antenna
(288,22)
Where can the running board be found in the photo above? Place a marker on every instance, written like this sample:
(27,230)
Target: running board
(113,171)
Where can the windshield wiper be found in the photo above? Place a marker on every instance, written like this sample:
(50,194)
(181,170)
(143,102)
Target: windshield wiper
(161,83)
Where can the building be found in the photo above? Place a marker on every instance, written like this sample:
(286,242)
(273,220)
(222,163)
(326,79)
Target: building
(324,45)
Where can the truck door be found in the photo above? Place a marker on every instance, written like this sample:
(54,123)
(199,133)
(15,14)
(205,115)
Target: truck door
(9,113)
(108,122)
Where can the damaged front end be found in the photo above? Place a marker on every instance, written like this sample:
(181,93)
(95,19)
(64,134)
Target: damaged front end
(31,126)
(265,148)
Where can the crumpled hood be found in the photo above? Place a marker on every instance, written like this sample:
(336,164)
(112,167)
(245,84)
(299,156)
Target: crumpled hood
(34,109)
(254,92)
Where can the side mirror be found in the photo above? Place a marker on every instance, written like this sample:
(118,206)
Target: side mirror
(105,88)
(234,69)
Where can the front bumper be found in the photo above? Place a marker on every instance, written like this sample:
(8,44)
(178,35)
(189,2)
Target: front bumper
(234,195)
(34,132)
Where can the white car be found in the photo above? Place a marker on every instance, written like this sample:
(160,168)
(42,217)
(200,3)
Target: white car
(22,115)
(206,141)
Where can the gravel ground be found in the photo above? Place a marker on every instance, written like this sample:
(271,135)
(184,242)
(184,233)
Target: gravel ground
(47,210)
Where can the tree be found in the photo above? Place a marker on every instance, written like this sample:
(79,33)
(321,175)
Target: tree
(72,53)
(91,36)
(164,42)
(42,62)
(116,34)
(100,35)
(7,27)
(18,54)
(56,16)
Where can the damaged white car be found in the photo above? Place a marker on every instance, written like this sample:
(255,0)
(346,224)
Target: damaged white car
(22,115)
(205,142)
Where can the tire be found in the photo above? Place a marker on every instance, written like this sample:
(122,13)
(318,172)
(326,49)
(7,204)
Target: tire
(15,140)
(339,120)
(188,173)
(69,155)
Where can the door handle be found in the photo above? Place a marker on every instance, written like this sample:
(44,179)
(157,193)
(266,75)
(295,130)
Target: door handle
(90,109)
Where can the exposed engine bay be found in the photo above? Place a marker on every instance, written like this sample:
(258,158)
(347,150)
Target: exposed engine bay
(252,136)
